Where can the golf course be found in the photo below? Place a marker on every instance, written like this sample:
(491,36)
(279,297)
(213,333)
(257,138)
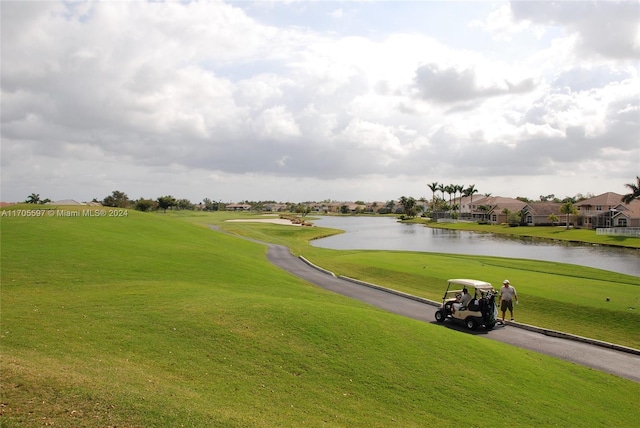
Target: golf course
(159,320)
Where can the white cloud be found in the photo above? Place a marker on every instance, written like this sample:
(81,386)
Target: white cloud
(453,85)
(205,99)
(606,29)
(503,26)
(276,123)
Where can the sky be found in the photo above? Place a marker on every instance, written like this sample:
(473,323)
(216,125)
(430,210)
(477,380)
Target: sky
(298,101)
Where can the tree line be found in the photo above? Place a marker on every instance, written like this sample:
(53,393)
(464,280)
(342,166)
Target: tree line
(121,200)
(408,205)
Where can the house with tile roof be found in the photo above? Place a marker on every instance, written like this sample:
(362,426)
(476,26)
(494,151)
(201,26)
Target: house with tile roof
(238,207)
(538,213)
(65,202)
(489,208)
(608,210)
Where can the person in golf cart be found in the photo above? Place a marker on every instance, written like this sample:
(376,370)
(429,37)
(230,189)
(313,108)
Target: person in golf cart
(479,309)
(462,302)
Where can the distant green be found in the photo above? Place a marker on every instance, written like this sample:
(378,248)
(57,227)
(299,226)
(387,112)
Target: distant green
(156,320)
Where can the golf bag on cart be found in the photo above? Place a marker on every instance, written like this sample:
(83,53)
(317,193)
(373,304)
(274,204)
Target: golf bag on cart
(488,308)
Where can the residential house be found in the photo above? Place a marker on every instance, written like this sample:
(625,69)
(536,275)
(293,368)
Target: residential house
(274,207)
(634,213)
(489,208)
(238,207)
(537,213)
(470,207)
(375,206)
(352,207)
(500,206)
(65,202)
(607,210)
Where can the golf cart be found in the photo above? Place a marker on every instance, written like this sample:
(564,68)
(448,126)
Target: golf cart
(481,310)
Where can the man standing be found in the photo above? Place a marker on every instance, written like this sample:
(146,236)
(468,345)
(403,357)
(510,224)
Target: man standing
(506,297)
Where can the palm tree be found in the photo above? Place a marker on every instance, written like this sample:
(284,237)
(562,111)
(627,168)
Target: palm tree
(433,186)
(450,189)
(460,188)
(635,192)
(484,210)
(506,213)
(408,205)
(471,189)
(568,209)
(33,198)
(455,208)
(390,205)
(441,188)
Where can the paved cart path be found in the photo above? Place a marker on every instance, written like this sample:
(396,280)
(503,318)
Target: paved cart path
(614,361)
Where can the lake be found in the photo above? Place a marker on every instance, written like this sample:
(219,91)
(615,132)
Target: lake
(386,233)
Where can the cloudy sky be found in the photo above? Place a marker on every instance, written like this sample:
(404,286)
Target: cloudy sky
(315,100)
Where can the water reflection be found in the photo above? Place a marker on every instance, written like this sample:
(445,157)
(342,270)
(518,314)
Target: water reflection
(384,233)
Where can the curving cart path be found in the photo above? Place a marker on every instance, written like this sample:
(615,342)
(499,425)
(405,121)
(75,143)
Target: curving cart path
(609,358)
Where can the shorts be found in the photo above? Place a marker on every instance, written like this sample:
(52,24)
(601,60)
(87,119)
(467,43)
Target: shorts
(506,304)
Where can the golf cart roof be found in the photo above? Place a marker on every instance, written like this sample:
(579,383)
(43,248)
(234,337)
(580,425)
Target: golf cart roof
(471,283)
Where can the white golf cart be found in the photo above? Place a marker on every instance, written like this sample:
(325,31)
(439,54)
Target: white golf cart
(481,310)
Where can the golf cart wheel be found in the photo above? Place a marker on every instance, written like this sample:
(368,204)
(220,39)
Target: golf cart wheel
(470,323)
(439,316)
(490,325)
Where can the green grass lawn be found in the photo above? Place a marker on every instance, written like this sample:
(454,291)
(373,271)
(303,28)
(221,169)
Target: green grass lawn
(557,296)
(152,320)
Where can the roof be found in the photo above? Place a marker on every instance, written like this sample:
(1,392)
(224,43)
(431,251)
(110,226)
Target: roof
(499,203)
(609,199)
(630,210)
(513,207)
(65,202)
(543,208)
(470,283)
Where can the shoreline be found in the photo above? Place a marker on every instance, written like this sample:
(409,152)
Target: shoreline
(281,221)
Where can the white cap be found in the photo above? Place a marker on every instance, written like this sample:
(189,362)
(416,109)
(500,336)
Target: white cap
(506,281)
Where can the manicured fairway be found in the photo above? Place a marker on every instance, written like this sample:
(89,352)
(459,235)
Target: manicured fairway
(552,295)
(150,321)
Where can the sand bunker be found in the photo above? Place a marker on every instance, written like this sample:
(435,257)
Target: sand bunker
(267,220)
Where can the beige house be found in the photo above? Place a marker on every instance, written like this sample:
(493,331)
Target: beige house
(538,213)
(470,207)
(489,208)
(238,207)
(607,210)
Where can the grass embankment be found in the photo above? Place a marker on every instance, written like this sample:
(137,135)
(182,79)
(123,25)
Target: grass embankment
(557,296)
(147,320)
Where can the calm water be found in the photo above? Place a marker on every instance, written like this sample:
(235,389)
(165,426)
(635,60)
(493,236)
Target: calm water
(384,233)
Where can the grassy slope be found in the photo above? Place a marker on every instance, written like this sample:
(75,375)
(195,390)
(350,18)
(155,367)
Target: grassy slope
(149,321)
(553,295)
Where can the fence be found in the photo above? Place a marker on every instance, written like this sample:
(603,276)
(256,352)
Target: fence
(619,231)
